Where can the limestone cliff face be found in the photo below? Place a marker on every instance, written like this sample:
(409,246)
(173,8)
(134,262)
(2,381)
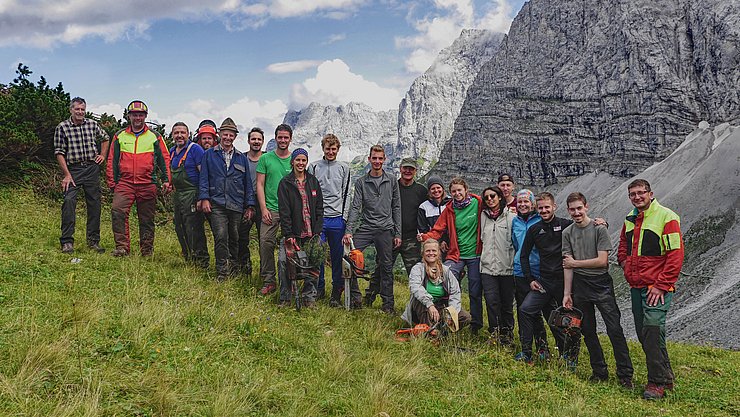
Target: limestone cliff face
(582,86)
(357,126)
(427,113)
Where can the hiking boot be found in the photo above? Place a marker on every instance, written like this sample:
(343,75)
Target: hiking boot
(626,383)
(268,289)
(653,391)
(543,354)
(320,295)
(355,305)
(118,253)
(596,378)
(334,303)
(95,246)
(668,386)
(369,299)
(336,297)
(68,247)
(388,310)
(524,357)
(309,304)
(284,304)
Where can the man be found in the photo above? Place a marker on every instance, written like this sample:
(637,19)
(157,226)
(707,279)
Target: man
(271,168)
(76,149)
(506,184)
(586,248)
(206,135)
(413,195)
(375,218)
(334,177)
(255,140)
(651,253)
(186,158)
(226,196)
(545,290)
(137,160)
(525,219)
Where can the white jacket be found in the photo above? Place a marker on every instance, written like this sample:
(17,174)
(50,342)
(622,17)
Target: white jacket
(497,256)
(419,291)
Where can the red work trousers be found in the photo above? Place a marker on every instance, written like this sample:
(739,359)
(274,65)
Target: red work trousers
(124,196)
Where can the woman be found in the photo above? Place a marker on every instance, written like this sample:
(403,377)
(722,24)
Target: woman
(460,221)
(430,210)
(497,265)
(301,208)
(433,287)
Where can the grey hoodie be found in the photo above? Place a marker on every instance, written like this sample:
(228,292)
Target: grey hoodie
(334,179)
(376,207)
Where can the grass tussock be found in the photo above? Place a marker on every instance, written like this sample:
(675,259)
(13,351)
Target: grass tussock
(153,337)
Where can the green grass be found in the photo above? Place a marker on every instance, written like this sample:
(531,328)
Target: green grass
(152,337)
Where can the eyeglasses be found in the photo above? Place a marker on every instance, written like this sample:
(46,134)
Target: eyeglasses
(489,196)
(637,193)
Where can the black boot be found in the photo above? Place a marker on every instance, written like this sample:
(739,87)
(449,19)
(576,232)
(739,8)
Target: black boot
(336,297)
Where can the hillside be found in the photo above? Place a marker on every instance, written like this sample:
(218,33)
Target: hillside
(701,182)
(151,337)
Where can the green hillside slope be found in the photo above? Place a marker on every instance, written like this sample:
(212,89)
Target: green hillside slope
(109,336)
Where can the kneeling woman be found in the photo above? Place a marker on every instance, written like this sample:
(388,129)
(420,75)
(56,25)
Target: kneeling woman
(301,208)
(433,287)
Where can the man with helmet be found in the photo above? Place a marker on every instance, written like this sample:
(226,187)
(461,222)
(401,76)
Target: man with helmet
(137,160)
(206,135)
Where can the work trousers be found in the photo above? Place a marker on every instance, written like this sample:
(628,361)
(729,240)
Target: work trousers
(498,292)
(124,196)
(410,251)
(268,242)
(190,229)
(587,298)
(650,327)
(225,228)
(86,176)
(383,241)
(244,257)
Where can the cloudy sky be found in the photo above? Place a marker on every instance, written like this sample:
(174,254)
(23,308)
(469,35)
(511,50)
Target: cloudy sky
(248,59)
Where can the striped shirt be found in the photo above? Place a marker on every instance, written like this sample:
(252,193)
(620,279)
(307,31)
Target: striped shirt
(78,143)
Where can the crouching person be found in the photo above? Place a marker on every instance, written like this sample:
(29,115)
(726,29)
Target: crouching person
(433,287)
(301,208)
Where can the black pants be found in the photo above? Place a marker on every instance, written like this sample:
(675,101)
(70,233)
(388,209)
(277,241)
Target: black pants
(225,228)
(538,326)
(498,292)
(244,256)
(383,241)
(410,251)
(537,304)
(86,176)
(598,292)
(190,230)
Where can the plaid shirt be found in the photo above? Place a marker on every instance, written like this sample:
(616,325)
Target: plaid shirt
(78,143)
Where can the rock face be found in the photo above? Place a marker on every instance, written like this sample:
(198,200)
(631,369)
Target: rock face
(700,181)
(427,114)
(580,86)
(357,126)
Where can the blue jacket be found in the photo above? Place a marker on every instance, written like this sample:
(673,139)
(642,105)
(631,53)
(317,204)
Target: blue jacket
(230,188)
(519,229)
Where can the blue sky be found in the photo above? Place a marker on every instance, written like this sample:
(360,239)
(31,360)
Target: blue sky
(250,60)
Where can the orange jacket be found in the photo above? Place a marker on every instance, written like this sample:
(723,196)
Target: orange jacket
(133,159)
(446,223)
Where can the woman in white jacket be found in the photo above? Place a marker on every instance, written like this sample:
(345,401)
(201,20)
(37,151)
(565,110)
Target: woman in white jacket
(433,287)
(496,265)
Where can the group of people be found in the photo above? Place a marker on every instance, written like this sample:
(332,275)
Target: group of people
(510,245)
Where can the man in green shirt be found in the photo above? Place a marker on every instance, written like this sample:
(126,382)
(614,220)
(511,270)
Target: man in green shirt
(271,168)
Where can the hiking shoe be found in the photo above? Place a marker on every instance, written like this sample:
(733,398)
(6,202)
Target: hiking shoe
(626,383)
(355,305)
(524,357)
(268,289)
(334,303)
(118,253)
(95,246)
(543,355)
(320,295)
(668,386)
(369,300)
(284,304)
(309,304)
(595,378)
(388,310)
(653,391)
(68,247)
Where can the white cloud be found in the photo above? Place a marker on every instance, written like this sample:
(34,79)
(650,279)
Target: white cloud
(334,84)
(292,66)
(335,38)
(438,30)
(45,23)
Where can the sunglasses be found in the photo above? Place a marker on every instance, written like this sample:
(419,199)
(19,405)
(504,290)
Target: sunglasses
(489,196)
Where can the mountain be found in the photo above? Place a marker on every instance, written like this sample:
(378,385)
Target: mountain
(357,126)
(700,181)
(580,86)
(427,113)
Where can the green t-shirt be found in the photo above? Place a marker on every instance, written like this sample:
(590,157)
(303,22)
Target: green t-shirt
(466,224)
(437,291)
(274,168)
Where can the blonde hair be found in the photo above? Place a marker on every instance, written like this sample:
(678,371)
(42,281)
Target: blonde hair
(459,181)
(433,271)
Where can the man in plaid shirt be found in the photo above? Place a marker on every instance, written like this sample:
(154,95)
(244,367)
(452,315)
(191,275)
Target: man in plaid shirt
(76,148)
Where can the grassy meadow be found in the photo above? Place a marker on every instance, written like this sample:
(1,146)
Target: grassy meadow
(152,337)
